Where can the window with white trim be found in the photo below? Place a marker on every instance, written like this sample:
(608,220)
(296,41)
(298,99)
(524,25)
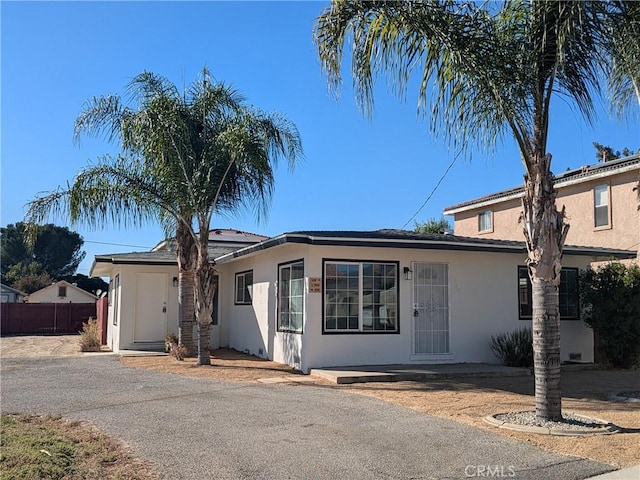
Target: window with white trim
(360,297)
(485,221)
(244,288)
(291,297)
(601,206)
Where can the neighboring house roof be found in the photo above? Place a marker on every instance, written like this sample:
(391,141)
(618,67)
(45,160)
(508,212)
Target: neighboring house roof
(570,177)
(222,242)
(221,235)
(59,284)
(6,288)
(409,239)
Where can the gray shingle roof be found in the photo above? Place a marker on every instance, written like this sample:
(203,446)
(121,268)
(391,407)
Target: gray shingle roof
(390,238)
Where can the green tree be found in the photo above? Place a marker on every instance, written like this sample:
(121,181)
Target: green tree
(55,251)
(432,225)
(610,301)
(32,282)
(183,158)
(605,153)
(486,70)
(88,284)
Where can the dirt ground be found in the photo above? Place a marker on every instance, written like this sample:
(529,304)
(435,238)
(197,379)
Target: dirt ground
(464,400)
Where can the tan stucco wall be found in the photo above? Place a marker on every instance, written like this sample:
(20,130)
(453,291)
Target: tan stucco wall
(623,231)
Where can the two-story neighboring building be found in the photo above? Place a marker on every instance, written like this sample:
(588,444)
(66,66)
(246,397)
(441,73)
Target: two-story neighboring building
(601,206)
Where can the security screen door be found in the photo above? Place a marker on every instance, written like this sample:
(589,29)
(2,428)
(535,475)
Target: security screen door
(430,308)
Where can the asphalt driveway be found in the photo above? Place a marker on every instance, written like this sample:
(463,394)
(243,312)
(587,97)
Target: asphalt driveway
(192,428)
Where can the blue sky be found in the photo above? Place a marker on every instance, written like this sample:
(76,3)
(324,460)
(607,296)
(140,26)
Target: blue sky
(358,173)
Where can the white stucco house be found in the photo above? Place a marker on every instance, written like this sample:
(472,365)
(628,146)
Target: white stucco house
(61,292)
(321,298)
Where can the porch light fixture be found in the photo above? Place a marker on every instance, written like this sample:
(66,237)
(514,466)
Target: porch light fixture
(175,281)
(408,273)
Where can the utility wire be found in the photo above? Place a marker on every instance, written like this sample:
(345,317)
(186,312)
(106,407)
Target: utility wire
(116,244)
(434,188)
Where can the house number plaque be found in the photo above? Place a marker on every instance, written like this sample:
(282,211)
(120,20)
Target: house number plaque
(315,285)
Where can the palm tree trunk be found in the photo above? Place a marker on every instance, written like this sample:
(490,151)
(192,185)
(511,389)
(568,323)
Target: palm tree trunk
(545,233)
(205,288)
(186,311)
(185,253)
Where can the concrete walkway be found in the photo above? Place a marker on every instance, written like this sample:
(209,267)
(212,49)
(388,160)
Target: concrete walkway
(400,373)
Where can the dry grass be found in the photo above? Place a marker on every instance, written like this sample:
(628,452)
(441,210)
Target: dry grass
(466,401)
(50,447)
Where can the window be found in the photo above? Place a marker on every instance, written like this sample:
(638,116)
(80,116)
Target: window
(485,221)
(214,312)
(244,288)
(290,297)
(601,206)
(62,291)
(360,297)
(567,293)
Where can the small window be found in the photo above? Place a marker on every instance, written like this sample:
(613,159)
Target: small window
(62,291)
(567,294)
(601,206)
(485,221)
(244,288)
(291,297)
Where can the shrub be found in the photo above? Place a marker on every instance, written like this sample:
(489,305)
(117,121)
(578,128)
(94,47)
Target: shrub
(515,349)
(178,351)
(90,336)
(610,300)
(169,339)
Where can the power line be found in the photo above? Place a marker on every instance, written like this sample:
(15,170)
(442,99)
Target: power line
(434,189)
(117,244)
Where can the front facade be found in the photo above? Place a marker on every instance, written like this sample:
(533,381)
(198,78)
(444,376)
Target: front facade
(322,299)
(61,292)
(601,206)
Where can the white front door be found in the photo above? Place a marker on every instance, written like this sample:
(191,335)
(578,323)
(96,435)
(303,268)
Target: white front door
(430,308)
(151,307)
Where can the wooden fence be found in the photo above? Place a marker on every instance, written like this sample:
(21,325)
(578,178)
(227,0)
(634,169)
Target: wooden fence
(44,318)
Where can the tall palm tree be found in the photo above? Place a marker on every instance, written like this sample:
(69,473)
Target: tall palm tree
(487,70)
(183,159)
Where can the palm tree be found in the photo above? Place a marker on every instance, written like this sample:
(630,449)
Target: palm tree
(487,70)
(624,72)
(183,159)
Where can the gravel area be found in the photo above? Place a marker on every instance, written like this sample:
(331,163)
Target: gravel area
(570,421)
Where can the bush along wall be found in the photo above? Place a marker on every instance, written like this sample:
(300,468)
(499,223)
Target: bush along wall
(610,301)
(514,349)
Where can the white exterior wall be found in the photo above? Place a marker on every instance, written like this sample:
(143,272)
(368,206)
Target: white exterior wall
(483,301)
(121,336)
(252,328)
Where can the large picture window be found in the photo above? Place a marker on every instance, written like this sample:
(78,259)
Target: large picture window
(567,293)
(360,297)
(244,288)
(290,297)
